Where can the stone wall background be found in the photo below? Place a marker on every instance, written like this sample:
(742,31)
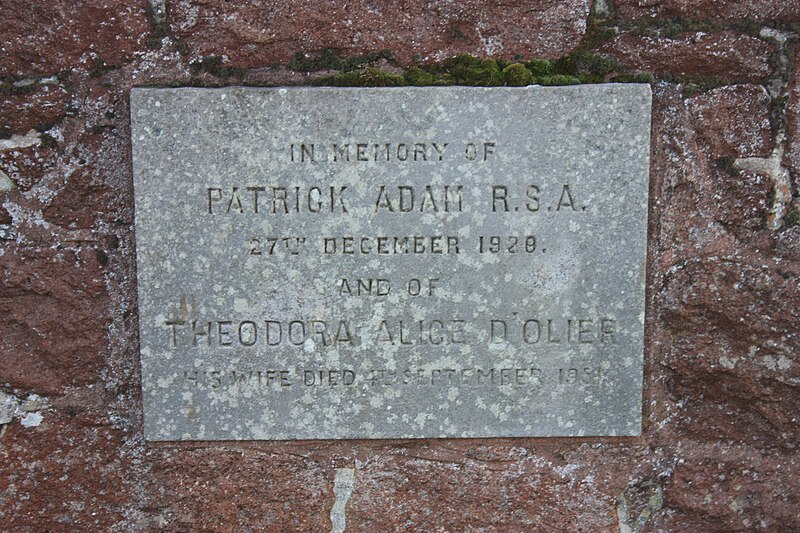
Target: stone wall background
(718,450)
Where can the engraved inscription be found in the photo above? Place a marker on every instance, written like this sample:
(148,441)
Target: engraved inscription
(439,262)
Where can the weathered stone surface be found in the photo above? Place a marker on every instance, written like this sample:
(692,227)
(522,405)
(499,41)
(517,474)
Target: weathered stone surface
(52,314)
(701,186)
(43,38)
(725,293)
(464,477)
(729,55)
(81,202)
(26,166)
(724,334)
(724,130)
(792,154)
(253,34)
(724,10)
(557,301)
(721,488)
(72,453)
(37,108)
(187,493)
(735,367)
(718,450)
(24,156)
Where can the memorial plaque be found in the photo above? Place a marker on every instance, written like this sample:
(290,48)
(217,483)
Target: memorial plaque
(391,263)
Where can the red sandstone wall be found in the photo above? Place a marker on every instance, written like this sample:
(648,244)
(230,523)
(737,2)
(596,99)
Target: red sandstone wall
(722,367)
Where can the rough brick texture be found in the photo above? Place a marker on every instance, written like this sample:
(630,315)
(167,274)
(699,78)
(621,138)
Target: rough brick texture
(717,10)
(43,38)
(36,106)
(52,318)
(729,55)
(792,158)
(718,449)
(254,34)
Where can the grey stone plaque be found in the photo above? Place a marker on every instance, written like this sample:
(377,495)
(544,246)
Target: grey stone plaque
(391,263)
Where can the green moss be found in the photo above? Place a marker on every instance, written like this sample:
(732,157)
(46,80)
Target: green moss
(370,77)
(153,43)
(785,26)
(591,78)
(12,89)
(777,117)
(598,31)
(596,64)
(668,27)
(216,67)
(540,67)
(559,79)
(516,75)
(465,69)
(748,26)
(158,27)
(414,75)
(567,65)
(581,66)
(99,68)
(48,141)
(693,85)
(638,77)
(329,59)
(792,217)
(587,67)
(727,164)
(181,47)
(454,33)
